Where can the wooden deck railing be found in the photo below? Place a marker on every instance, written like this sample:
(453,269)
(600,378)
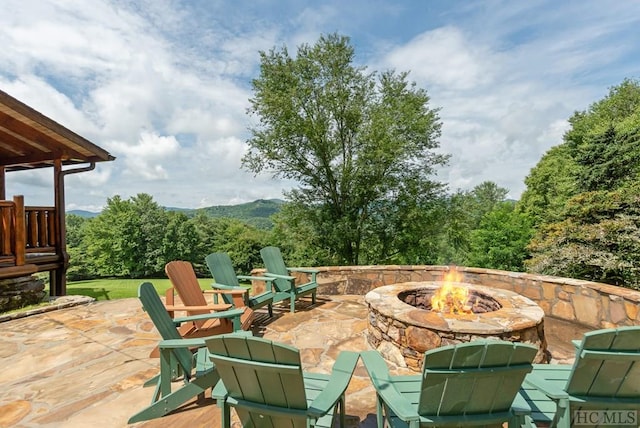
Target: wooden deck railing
(9,252)
(40,227)
(28,236)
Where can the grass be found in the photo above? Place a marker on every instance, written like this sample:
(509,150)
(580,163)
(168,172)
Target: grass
(117,288)
(110,289)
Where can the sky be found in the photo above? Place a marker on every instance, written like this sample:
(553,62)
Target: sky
(164,86)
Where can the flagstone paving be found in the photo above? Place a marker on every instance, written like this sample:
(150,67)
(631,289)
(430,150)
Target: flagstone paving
(85,365)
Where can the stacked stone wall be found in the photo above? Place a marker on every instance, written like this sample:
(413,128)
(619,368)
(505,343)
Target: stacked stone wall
(18,292)
(588,303)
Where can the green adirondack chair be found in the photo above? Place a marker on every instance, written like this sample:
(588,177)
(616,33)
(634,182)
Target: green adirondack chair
(177,357)
(469,384)
(221,269)
(604,376)
(264,382)
(285,284)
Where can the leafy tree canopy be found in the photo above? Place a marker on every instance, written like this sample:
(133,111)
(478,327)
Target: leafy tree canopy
(550,184)
(501,239)
(584,194)
(361,146)
(598,240)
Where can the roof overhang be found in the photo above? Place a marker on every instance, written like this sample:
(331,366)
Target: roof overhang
(29,140)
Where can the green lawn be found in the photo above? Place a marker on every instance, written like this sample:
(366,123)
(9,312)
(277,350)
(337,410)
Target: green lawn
(111,289)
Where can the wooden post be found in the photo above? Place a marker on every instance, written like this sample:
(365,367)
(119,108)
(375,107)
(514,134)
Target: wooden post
(58,277)
(20,232)
(3,185)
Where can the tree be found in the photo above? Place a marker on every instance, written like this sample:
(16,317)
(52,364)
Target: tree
(461,214)
(501,239)
(604,139)
(295,236)
(484,198)
(126,238)
(359,145)
(80,266)
(620,109)
(180,240)
(591,231)
(599,152)
(598,240)
(240,240)
(550,184)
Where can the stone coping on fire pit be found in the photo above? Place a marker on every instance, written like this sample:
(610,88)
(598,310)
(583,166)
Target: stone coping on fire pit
(517,312)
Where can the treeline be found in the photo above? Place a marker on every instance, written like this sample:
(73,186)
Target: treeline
(136,237)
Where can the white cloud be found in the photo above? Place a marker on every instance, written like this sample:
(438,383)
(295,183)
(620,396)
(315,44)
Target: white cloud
(164,86)
(146,159)
(504,104)
(445,57)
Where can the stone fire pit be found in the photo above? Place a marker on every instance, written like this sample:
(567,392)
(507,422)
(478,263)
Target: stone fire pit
(402,326)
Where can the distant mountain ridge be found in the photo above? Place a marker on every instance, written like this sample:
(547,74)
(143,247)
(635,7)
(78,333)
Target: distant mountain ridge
(256,213)
(83,213)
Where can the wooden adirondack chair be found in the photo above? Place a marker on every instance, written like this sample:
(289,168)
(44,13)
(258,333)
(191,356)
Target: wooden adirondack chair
(264,382)
(469,384)
(177,358)
(185,283)
(604,376)
(285,284)
(221,269)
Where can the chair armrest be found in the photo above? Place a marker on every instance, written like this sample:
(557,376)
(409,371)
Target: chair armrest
(338,382)
(239,295)
(196,342)
(312,272)
(224,314)
(218,286)
(277,276)
(235,291)
(255,278)
(181,343)
(545,387)
(381,380)
(211,307)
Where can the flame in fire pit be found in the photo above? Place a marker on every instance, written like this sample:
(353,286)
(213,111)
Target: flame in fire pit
(451,298)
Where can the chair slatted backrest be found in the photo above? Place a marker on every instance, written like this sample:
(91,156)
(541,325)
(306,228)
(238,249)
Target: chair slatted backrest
(259,371)
(156,310)
(607,364)
(274,263)
(221,268)
(185,282)
(473,378)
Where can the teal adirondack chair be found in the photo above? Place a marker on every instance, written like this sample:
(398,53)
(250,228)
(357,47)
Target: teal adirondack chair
(604,376)
(264,382)
(285,284)
(469,384)
(221,269)
(177,357)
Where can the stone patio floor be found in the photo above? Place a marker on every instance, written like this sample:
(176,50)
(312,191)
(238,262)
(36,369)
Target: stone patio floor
(84,366)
